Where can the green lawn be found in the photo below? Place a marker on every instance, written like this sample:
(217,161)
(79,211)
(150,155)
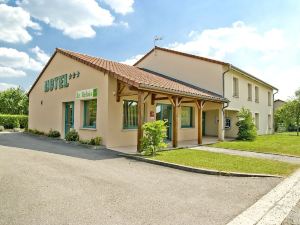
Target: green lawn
(224,162)
(281,143)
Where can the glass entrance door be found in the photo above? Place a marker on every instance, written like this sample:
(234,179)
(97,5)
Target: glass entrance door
(69,116)
(164,112)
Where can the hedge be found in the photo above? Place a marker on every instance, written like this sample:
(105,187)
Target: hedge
(14,121)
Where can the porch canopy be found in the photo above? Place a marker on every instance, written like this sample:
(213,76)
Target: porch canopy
(146,84)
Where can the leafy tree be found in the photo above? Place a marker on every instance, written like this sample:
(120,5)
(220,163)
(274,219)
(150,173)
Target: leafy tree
(13,101)
(247,129)
(289,113)
(154,135)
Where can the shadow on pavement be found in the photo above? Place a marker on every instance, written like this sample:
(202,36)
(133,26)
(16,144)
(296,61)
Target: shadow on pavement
(56,146)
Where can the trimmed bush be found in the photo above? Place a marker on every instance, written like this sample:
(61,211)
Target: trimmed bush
(54,133)
(1,128)
(23,120)
(72,135)
(13,121)
(96,141)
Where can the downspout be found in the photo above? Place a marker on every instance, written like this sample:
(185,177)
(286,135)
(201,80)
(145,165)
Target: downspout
(274,111)
(227,103)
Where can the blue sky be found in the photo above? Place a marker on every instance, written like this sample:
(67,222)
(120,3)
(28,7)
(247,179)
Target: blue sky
(261,37)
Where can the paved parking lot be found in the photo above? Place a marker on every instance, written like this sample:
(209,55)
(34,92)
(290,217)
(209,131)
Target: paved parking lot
(43,181)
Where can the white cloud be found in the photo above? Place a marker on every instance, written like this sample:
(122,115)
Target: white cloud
(76,19)
(4,86)
(132,60)
(10,57)
(220,42)
(40,54)
(121,6)
(14,22)
(10,72)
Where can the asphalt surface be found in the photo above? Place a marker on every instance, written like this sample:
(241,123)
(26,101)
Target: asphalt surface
(45,181)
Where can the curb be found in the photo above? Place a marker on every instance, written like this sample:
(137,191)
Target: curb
(196,170)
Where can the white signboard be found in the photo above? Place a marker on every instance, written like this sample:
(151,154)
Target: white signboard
(87,94)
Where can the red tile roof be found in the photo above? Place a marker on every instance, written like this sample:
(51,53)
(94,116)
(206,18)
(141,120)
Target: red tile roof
(139,78)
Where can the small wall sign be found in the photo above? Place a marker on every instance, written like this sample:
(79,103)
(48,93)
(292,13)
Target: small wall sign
(60,82)
(86,94)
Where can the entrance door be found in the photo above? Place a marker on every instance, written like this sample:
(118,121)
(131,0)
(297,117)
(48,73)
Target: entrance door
(164,112)
(69,116)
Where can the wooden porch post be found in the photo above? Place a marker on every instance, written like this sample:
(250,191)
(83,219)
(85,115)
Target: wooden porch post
(200,105)
(175,122)
(140,119)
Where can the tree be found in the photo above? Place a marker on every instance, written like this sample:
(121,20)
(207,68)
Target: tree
(289,114)
(13,101)
(154,135)
(247,129)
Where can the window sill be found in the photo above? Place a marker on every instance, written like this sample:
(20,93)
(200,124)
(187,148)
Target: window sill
(235,96)
(187,127)
(88,128)
(129,129)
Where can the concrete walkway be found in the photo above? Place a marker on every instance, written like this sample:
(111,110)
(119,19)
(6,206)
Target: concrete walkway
(274,207)
(289,159)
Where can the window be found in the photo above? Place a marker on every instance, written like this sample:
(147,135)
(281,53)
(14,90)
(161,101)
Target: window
(186,116)
(90,113)
(249,92)
(269,122)
(227,123)
(269,99)
(130,114)
(256,94)
(257,121)
(235,87)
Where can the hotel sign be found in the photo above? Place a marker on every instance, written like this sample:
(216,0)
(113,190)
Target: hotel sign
(87,94)
(60,82)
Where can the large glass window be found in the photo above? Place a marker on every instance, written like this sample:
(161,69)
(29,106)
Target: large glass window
(130,114)
(186,116)
(90,113)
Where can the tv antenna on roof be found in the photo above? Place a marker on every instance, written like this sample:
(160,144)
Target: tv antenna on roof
(156,38)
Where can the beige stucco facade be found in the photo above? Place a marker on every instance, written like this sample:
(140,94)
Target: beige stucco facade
(47,109)
(209,75)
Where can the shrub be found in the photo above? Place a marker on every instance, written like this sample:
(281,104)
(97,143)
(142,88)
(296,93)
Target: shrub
(35,131)
(85,142)
(72,135)
(96,141)
(53,133)
(247,129)
(13,121)
(1,128)
(154,135)
(23,120)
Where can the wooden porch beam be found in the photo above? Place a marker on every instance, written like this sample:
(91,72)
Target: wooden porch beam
(175,121)
(140,119)
(200,104)
(153,98)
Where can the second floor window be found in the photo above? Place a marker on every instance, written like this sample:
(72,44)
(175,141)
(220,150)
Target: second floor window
(235,87)
(256,94)
(249,92)
(269,99)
